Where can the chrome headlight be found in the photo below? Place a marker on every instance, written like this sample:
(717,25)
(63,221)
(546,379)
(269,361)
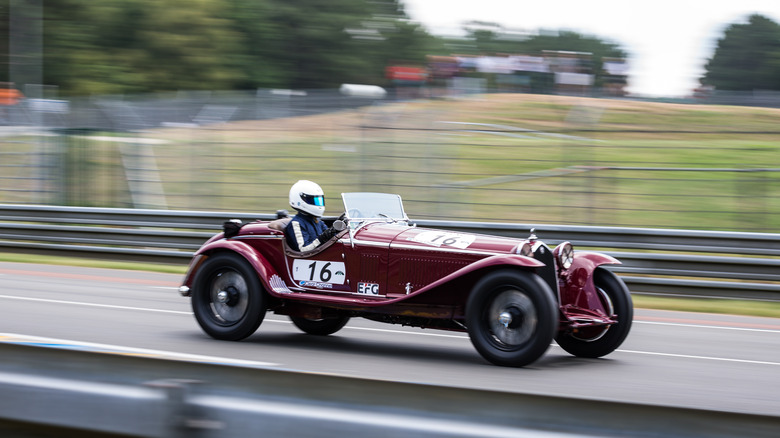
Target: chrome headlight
(565,255)
(524,249)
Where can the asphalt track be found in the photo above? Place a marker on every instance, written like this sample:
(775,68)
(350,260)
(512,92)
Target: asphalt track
(721,362)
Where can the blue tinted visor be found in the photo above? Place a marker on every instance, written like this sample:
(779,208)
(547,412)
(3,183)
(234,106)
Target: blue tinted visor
(319,201)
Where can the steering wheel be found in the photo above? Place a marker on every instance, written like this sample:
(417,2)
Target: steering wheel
(388,218)
(354,213)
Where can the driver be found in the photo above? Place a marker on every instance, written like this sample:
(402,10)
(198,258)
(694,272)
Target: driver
(306,231)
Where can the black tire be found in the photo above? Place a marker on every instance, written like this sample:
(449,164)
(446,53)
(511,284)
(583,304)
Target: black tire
(600,342)
(227,297)
(511,317)
(320,327)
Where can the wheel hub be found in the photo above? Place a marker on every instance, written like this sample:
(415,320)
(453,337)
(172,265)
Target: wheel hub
(505,318)
(511,318)
(229,296)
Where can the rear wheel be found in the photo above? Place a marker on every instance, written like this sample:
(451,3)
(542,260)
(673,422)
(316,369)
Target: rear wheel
(598,342)
(227,297)
(511,317)
(320,327)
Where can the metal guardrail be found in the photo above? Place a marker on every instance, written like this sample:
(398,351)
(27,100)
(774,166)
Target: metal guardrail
(67,391)
(158,236)
(679,262)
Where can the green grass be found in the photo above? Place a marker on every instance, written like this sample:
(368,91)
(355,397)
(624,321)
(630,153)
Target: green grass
(706,305)
(408,148)
(92,263)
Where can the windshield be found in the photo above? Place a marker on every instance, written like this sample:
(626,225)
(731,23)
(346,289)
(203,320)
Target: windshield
(373,206)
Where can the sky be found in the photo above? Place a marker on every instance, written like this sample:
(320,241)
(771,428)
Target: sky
(668,42)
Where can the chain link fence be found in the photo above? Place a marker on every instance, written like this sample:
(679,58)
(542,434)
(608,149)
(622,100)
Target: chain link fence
(464,158)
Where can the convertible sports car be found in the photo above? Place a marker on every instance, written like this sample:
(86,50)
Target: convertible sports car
(512,296)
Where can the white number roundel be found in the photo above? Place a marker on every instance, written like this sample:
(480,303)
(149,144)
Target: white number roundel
(319,271)
(438,238)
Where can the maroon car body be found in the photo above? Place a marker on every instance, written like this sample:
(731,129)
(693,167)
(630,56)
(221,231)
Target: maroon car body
(513,296)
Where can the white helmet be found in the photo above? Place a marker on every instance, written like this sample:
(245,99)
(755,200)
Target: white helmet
(308,197)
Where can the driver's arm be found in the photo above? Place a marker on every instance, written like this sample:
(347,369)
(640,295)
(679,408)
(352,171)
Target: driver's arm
(302,239)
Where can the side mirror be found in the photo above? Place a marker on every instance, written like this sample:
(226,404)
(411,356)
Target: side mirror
(339,225)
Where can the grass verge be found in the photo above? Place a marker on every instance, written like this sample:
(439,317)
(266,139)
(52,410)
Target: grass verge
(92,263)
(707,305)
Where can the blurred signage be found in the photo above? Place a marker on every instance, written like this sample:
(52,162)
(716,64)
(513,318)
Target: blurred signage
(411,75)
(50,106)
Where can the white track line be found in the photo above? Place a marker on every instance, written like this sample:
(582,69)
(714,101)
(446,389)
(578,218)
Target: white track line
(688,356)
(105,306)
(13,338)
(717,327)
(111,306)
(463,336)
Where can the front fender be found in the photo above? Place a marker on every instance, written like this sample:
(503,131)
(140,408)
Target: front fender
(576,283)
(502,259)
(596,259)
(264,269)
(452,287)
(492,261)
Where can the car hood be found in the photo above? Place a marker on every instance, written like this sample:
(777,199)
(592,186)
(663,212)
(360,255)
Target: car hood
(401,236)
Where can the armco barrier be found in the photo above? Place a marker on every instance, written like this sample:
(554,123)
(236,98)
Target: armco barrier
(680,262)
(71,392)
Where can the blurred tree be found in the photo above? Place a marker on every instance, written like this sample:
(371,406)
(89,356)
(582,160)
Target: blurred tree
(4,34)
(324,44)
(747,57)
(120,46)
(311,43)
(128,46)
(492,38)
(398,41)
(489,38)
(251,20)
(131,46)
(573,42)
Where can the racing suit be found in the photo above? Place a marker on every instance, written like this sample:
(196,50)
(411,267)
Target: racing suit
(306,232)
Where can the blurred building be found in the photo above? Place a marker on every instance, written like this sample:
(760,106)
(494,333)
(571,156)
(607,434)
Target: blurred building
(573,71)
(441,70)
(561,72)
(615,76)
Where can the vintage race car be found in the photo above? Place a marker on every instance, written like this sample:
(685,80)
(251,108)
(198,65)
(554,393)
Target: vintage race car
(512,296)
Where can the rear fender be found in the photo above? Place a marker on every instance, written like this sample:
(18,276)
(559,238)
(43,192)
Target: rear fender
(265,271)
(576,286)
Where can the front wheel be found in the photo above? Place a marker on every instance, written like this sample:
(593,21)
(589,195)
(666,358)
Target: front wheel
(227,297)
(511,317)
(617,300)
(320,327)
